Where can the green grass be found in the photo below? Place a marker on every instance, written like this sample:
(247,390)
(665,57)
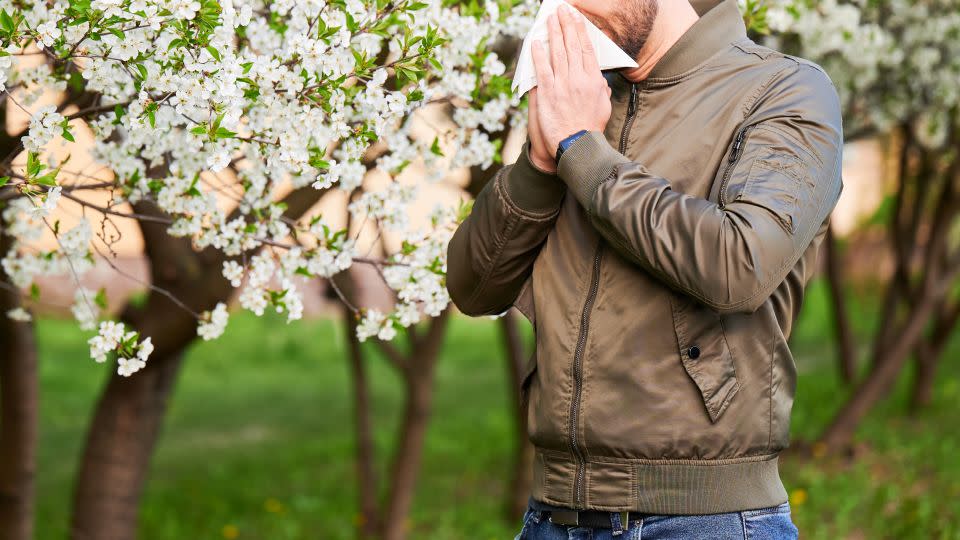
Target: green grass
(258,440)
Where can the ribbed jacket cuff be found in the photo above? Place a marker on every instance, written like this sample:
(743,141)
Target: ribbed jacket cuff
(531,189)
(586,164)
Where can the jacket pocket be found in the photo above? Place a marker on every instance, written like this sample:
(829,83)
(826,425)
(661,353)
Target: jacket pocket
(774,182)
(704,353)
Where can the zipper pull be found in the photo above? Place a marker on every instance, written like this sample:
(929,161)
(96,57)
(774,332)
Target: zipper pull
(738,145)
(632,106)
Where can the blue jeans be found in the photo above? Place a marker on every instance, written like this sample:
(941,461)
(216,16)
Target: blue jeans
(771,523)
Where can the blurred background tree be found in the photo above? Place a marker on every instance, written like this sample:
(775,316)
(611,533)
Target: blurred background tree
(897,68)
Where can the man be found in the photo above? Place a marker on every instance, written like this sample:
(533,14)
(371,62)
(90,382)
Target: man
(658,230)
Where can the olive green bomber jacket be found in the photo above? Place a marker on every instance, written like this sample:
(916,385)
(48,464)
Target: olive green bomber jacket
(662,269)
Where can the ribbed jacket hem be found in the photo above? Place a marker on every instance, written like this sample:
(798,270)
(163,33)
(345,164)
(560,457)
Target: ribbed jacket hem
(672,486)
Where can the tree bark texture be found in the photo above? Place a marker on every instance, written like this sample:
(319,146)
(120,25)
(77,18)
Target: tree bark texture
(19,406)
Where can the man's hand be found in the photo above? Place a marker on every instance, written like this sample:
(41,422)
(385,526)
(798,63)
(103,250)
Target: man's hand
(571,92)
(539,154)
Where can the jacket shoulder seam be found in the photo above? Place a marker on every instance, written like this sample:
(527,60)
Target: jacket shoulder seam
(759,90)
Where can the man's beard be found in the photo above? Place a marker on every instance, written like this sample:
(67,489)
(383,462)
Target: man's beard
(631,26)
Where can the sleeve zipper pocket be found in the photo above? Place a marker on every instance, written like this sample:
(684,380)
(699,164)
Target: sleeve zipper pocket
(735,152)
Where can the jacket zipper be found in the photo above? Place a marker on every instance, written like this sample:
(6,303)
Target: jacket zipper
(732,160)
(585,325)
(631,110)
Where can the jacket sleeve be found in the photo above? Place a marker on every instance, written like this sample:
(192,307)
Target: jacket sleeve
(733,253)
(491,254)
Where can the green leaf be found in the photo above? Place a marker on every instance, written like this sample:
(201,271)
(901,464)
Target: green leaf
(213,52)
(4,180)
(101,299)
(48,179)
(33,164)
(118,111)
(435,147)
(34,291)
(66,130)
(6,22)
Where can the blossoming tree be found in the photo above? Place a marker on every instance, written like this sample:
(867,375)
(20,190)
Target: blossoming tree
(897,68)
(223,123)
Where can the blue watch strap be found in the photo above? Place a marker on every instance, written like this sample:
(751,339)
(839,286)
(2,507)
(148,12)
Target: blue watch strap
(568,142)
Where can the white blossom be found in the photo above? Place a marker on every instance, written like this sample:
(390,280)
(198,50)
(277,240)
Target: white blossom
(19,314)
(214,323)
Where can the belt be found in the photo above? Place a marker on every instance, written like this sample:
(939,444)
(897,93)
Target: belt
(589,518)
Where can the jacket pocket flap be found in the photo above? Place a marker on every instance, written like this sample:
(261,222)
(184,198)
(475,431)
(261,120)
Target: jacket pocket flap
(705,355)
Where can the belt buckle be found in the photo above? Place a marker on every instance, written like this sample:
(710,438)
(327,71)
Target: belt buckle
(565,517)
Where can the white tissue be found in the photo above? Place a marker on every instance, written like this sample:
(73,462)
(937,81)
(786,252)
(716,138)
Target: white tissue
(609,54)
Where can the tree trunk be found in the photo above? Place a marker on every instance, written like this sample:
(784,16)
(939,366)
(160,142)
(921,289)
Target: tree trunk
(521,477)
(418,376)
(929,352)
(846,347)
(130,411)
(19,396)
(366,472)
(118,451)
(926,369)
(886,368)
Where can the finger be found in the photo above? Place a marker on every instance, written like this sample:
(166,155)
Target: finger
(533,120)
(588,52)
(541,65)
(571,38)
(558,51)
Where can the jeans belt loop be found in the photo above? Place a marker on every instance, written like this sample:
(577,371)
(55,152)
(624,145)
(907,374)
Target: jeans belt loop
(619,522)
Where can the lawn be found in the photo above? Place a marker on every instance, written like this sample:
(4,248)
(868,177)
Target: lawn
(258,440)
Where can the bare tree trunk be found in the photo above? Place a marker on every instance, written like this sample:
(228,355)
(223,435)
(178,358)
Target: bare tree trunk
(19,401)
(366,471)
(846,347)
(419,378)
(118,451)
(886,368)
(130,412)
(521,477)
(927,208)
(929,352)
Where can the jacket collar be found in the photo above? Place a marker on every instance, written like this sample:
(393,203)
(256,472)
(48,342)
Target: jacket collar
(719,25)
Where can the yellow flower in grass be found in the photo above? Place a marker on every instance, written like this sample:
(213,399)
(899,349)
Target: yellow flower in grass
(818,450)
(273,506)
(798,497)
(230,532)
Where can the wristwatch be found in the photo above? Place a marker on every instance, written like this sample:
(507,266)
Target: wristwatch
(568,142)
